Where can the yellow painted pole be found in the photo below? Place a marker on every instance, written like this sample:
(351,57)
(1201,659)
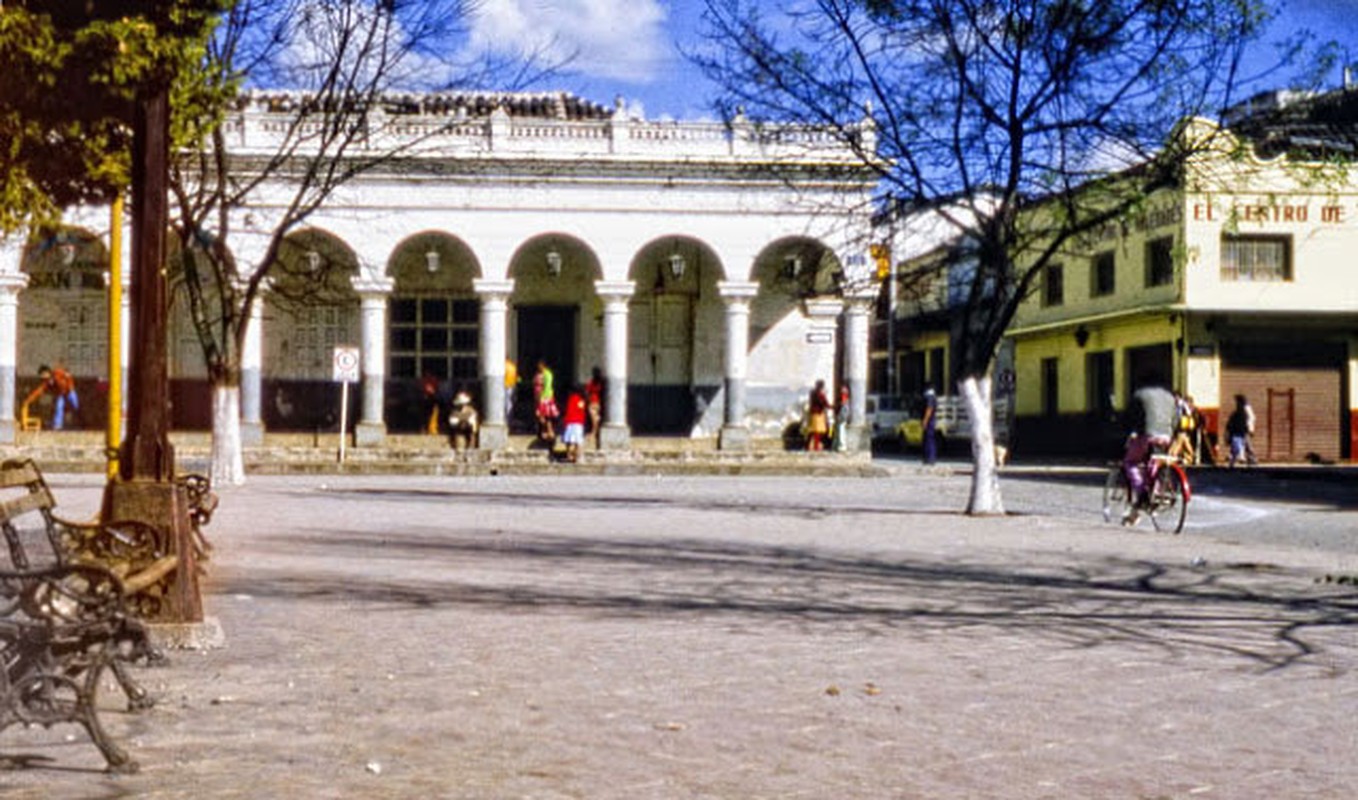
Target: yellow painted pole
(114,432)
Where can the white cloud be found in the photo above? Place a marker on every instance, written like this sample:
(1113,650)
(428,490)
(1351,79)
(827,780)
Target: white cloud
(621,40)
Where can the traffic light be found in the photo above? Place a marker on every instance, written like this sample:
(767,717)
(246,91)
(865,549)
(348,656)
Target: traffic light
(881,256)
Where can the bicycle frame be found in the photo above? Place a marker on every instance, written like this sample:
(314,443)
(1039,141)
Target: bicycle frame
(1159,461)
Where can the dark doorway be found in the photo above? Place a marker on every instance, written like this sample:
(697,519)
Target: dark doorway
(1100,386)
(546,333)
(1101,423)
(1152,365)
(912,377)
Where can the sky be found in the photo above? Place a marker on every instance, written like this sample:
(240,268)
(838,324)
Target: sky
(633,48)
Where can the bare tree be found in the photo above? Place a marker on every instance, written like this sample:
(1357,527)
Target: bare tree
(334,64)
(1022,123)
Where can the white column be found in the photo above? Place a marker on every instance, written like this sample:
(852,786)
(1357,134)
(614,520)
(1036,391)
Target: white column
(615,433)
(126,354)
(11,284)
(494,336)
(735,434)
(251,376)
(372,294)
(857,329)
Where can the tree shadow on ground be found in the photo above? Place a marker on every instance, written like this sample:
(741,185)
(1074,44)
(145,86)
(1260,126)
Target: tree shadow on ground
(798,504)
(1269,619)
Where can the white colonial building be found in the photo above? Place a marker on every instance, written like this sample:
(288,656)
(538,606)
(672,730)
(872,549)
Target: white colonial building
(707,269)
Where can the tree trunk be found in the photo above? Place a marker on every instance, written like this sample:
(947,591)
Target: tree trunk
(228,458)
(985,477)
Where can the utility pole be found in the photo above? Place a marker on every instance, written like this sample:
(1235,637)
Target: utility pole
(114,429)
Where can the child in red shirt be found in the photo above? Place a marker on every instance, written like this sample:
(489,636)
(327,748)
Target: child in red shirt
(574,420)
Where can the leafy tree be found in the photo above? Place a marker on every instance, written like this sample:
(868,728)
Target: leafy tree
(1020,123)
(72,71)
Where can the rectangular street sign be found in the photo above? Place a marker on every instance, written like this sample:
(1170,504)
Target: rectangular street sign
(346,365)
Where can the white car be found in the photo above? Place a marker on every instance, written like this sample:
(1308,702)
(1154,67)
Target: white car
(891,420)
(885,415)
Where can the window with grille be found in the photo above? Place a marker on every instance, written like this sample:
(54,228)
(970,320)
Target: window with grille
(1256,258)
(85,329)
(439,336)
(317,331)
(1103,275)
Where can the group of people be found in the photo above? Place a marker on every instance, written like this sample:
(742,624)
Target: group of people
(463,421)
(1158,418)
(824,422)
(583,413)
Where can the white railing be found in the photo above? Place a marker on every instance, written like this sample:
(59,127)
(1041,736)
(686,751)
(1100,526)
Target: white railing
(263,127)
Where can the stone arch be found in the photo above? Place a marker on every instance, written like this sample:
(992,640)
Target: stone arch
(790,272)
(313,265)
(63,319)
(434,329)
(536,278)
(66,257)
(556,313)
(675,322)
(794,328)
(310,307)
(434,260)
(190,380)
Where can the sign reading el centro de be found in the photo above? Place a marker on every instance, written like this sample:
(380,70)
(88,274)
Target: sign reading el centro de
(1301,213)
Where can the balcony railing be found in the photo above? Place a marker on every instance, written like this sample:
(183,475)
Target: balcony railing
(264,125)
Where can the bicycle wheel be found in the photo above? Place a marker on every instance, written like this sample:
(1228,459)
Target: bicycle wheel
(1168,506)
(1117,498)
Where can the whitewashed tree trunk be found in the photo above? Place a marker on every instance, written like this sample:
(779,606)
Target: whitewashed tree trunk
(985,477)
(228,457)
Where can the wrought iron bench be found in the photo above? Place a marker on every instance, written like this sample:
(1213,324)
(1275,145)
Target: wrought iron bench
(60,628)
(111,575)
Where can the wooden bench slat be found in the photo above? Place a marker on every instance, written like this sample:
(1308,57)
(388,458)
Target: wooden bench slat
(19,474)
(15,507)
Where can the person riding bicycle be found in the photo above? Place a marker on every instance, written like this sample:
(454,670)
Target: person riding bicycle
(1152,416)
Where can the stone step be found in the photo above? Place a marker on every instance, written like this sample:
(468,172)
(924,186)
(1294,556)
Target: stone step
(431,455)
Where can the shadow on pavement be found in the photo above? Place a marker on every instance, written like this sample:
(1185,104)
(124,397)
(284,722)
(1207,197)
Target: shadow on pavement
(1268,618)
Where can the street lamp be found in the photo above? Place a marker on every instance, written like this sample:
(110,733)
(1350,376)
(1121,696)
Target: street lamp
(553,263)
(431,260)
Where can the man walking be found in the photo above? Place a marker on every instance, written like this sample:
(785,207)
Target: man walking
(930,423)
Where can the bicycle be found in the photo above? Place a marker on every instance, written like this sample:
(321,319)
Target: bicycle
(1170,493)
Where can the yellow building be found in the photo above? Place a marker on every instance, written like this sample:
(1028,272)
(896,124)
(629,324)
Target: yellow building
(1240,282)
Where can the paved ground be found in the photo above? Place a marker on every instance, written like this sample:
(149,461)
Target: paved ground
(737,638)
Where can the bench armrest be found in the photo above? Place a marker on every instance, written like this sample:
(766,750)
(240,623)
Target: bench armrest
(67,600)
(139,555)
